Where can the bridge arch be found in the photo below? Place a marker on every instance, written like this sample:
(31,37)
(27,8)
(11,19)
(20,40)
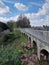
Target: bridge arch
(23,33)
(35,46)
(44,55)
(29,40)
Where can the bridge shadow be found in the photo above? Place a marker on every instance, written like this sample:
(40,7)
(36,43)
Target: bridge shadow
(35,47)
(44,57)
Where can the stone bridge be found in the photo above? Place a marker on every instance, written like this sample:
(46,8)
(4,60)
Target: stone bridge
(40,39)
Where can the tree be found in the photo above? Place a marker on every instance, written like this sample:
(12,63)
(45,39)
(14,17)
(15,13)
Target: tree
(23,22)
(45,27)
(3,26)
(11,24)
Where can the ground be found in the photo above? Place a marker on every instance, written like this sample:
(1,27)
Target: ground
(17,51)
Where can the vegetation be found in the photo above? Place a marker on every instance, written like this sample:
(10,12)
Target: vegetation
(3,26)
(10,54)
(12,49)
(23,22)
(11,24)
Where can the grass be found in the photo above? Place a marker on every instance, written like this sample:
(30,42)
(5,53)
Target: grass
(23,38)
(11,51)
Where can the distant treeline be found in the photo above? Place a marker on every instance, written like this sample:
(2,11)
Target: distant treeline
(44,27)
(22,22)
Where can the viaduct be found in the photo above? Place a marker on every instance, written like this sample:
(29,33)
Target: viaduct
(40,39)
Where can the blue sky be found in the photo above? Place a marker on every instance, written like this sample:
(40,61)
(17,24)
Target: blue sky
(35,10)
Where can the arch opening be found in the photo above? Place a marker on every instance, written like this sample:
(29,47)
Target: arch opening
(23,33)
(29,41)
(44,54)
(35,47)
(44,57)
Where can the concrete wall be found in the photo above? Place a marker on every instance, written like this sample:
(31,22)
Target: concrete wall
(40,37)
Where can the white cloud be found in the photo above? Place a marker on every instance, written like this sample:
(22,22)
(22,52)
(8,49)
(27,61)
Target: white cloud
(8,1)
(34,3)
(14,18)
(4,19)
(3,8)
(45,9)
(35,18)
(21,6)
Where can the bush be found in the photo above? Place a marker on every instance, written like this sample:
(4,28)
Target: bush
(9,56)
(11,36)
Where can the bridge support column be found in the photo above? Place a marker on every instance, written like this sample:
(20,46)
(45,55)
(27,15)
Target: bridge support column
(38,49)
(31,42)
(38,53)
(28,39)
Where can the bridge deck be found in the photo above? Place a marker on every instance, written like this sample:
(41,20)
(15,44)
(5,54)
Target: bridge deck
(42,35)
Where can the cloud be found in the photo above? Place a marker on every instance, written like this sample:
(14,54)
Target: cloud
(41,17)
(5,19)
(8,1)
(34,3)
(36,19)
(21,6)
(45,9)
(3,8)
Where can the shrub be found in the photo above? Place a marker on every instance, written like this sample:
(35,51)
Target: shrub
(9,56)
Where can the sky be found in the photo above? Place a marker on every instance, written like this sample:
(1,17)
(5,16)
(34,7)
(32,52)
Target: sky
(36,10)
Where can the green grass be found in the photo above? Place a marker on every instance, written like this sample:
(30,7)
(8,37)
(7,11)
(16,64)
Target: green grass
(10,53)
(23,38)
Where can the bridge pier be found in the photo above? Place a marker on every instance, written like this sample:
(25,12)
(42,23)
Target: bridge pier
(40,37)
(38,53)
(38,49)
(31,42)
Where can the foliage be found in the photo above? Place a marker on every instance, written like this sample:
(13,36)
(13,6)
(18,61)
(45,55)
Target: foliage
(11,36)
(23,38)
(3,26)
(11,24)
(10,54)
(25,63)
(40,62)
(23,22)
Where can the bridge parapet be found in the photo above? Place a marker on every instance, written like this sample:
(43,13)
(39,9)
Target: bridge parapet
(39,34)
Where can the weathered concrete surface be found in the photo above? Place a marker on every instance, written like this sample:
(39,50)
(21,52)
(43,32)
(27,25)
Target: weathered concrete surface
(40,37)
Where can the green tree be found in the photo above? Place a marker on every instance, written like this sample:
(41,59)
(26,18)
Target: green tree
(11,24)
(3,26)
(23,22)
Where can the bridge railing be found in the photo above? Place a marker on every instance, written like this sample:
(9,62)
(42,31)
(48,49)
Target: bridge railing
(42,35)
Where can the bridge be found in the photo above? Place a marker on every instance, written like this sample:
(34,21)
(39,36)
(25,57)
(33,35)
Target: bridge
(38,38)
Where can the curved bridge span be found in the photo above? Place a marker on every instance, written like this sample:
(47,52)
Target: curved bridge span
(40,37)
